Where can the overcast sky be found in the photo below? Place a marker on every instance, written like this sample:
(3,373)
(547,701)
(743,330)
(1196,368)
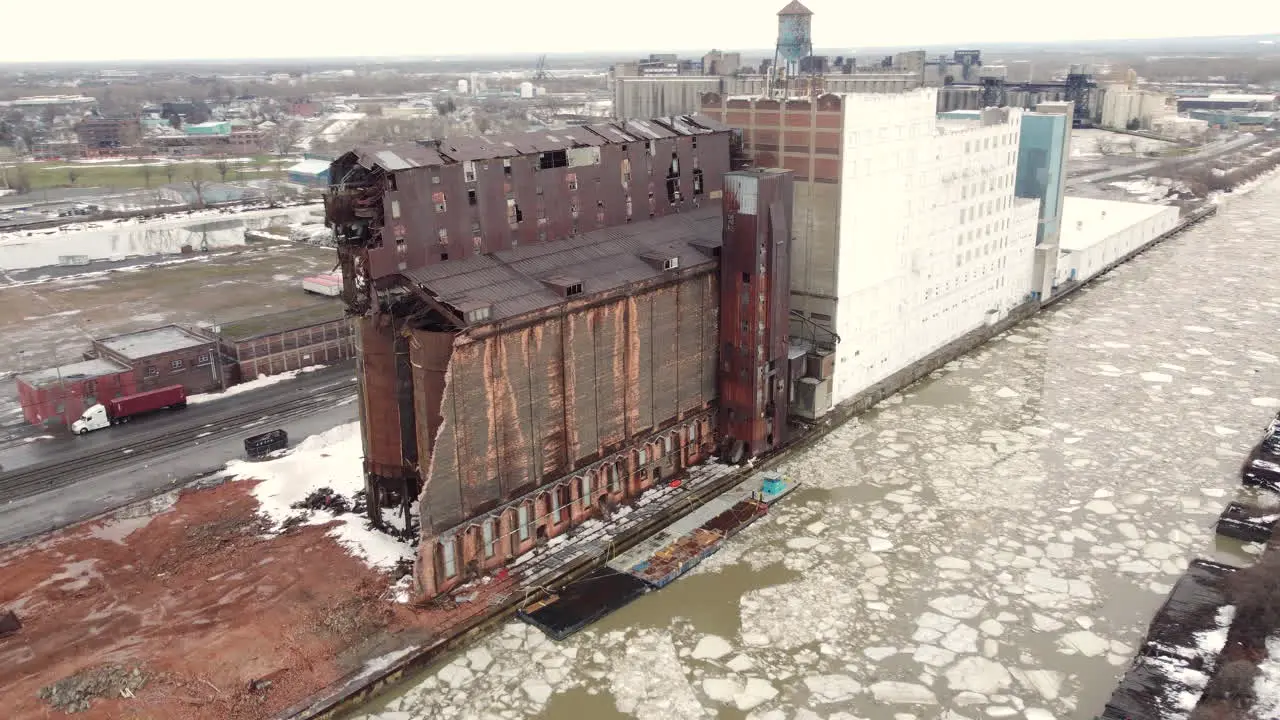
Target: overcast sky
(328,28)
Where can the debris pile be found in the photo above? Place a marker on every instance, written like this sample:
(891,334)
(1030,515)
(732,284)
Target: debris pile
(324,499)
(73,694)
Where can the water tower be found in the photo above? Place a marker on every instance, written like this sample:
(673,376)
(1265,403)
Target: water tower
(795,43)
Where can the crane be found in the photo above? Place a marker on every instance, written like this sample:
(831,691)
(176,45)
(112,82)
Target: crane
(540,72)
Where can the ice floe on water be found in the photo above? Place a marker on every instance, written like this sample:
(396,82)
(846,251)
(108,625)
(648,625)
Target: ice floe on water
(988,545)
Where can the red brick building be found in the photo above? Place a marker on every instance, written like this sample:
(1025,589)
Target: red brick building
(167,355)
(59,395)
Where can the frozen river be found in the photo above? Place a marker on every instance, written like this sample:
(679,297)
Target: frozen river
(992,544)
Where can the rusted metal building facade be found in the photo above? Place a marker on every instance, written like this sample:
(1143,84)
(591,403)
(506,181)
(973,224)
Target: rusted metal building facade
(755,302)
(585,374)
(401,209)
(537,325)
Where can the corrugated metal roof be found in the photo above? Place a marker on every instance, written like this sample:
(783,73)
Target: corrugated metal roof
(512,282)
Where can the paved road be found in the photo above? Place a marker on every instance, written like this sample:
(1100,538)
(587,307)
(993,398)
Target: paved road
(121,486)
(66,446)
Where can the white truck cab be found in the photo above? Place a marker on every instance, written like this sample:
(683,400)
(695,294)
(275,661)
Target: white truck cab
(95,418)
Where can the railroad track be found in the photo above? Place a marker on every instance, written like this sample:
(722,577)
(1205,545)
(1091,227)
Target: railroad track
(26,482)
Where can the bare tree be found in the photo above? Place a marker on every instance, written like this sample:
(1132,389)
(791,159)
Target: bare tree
(72,174)
(222,166)
(169,170)
(146,174)
(198,182)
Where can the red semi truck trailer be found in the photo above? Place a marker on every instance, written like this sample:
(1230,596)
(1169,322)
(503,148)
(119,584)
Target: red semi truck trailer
(119,410)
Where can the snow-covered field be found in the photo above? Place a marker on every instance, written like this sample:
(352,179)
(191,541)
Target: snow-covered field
(332,459)
(991,545)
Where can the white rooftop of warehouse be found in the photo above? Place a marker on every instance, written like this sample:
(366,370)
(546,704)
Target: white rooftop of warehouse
(83,370)
(146,343)
(1088,221)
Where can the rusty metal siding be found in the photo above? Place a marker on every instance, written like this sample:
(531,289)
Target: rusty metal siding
(429,354)
(710,369)
(471,420)
(755,307)
(516,434)
(547,390)
(610,324)
(689,346)
(642,375)
(378,393)
(580,388)
(665,355)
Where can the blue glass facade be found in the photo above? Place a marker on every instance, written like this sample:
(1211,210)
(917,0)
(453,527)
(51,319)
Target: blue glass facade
(1042,168)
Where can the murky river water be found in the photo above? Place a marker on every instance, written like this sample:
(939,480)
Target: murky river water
(991,544)
(108,240)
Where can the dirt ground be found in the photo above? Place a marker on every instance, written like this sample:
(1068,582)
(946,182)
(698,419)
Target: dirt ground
(194,595)
(195,598)
(53,322)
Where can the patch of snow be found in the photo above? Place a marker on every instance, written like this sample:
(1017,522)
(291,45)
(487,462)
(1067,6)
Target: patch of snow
(332,459)
(256,384)
(978,674)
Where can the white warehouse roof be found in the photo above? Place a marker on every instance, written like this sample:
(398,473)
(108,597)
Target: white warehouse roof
(1088,221)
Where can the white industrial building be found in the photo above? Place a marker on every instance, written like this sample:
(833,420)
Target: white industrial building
(931,241)
(1123,105)
(1096,233)
(1179,127)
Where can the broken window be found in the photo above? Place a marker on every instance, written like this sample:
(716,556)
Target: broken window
(674,169)
(469,170)
(573,211)
(574,289)
(626,171)
(506,167)
(642,458)
(613,478)
(477,244)
(439,200)
(391,182)
(553,159)
(673,191)
(444,256)
(395,208)
(444,236)
(584,492)
(488,533)
(448,557)
(572,179)
(435,179)
(628,207)
(697,182)
(471,197)
(523,521)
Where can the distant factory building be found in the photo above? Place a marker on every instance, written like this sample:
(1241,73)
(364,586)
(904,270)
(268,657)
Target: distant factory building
(310,172)
(1127,106)
(59,395)
(107,135)
(1230,101)
(899,247)
(721,63)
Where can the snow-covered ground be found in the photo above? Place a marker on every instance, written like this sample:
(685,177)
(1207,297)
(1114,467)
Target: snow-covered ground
(255,384)
(1092,142)
(991,545)
(332,459)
